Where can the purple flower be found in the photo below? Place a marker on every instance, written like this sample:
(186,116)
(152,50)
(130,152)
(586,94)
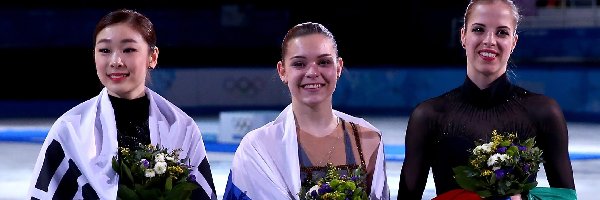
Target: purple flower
(191,178)
(501,150)
(354,178)
(314,194)
(343,177)
(500,174)
(522,148)
(526,167)
(145,163)
(325,188)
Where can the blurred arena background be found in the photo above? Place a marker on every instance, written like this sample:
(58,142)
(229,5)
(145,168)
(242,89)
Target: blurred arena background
(217,62)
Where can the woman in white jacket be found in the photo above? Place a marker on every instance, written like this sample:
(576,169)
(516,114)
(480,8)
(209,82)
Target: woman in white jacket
(75,159)
(285,157)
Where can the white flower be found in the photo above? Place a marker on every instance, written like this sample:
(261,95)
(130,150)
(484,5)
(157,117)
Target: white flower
(149,173)
(494,158)
(484,148)
(169,158)
(160,167)
(159,158)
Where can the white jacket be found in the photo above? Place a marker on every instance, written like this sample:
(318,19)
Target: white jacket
(266,163)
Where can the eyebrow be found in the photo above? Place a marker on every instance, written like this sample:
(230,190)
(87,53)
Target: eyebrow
(320,56)
(124,41)
(506,27)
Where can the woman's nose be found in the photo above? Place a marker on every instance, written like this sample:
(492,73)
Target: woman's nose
(115,60)
(313,71)
(490,39)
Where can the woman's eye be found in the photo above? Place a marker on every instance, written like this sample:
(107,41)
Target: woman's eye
(477,29)
(325,62)
(129,50)
(503,33)
(104,50)
(297,64)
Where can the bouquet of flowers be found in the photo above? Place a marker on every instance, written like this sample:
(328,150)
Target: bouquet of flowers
(502,167)
(335,186)
(152,172)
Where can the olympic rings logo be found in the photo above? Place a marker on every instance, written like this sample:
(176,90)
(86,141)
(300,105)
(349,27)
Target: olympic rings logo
(244,86)
(242,125)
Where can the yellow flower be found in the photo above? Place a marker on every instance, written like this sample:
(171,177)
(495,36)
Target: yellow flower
(486,172)
(125,151)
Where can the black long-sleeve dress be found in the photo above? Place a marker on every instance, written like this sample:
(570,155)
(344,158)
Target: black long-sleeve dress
(441,131)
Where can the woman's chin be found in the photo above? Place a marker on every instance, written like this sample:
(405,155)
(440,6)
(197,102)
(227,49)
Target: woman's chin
(314,101)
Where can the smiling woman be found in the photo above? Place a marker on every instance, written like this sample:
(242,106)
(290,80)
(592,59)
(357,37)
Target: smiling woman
(75,159)
(124,53)
(443,129)
(286,157)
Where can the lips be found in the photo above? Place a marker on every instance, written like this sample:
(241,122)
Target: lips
(488,55)
(118,76)
(312,85)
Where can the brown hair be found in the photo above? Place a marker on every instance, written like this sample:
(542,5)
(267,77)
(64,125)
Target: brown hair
(135,19)
(304,29)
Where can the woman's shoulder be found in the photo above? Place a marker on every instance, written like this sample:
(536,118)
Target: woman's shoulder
(369,138)
(266,132)
(535,98)
(80,109)
(368,133)
(167,108)
(537,103)
(429,108)
(437,103)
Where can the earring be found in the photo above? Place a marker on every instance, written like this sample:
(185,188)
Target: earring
(150,67)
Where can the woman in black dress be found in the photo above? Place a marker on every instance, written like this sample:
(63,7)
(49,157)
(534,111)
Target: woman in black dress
(441,130)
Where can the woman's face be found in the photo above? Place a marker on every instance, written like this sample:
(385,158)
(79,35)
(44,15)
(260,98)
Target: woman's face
(311,68)
(489,38)
(122,59)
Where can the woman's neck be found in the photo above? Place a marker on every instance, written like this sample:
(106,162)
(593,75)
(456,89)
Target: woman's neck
(318,121)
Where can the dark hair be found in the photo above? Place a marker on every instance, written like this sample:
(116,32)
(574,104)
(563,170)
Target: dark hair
(304,29)
(510,3)
(135,19)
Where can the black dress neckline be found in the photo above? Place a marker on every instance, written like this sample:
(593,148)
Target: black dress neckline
(131,117)
(499,90)
(137,109)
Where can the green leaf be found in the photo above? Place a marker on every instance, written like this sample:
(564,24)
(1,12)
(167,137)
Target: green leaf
(150,193)
(115,164)
(126,193)
(529,186)
(462,179)
(169,183)
(530,142)
(127,172)
(484,193)
(181,191)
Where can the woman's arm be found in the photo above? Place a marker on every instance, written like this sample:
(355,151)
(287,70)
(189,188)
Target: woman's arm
(554,142)
(415,168)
